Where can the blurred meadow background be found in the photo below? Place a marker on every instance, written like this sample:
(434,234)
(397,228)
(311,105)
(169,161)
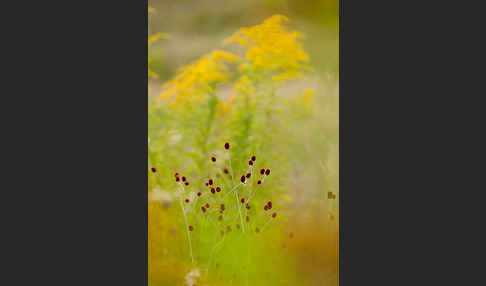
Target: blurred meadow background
(261,75)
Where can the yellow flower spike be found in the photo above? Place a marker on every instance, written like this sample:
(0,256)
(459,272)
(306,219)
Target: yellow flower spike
(201,76)
(271,49)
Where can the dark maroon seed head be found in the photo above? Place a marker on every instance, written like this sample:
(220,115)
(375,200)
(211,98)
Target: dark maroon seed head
(213,190)
(248,175)
(207,205)
(186,183)
(274,215)
(242,200)
(203,209)
(177,179)
(226,146)
(259,182)
(183,178)
(199,194)
(213,159)
(250,163)
(225,170)
(243,179)
(187,200)
(218,189)
(253,158)
(191,228)
(265,207)
(153,169)
(176,175)
(262,171)
(267,172)
(210,182)
(206,184)
(269,204)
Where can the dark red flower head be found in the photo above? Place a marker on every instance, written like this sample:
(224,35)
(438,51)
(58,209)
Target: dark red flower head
(213,190)
(191,228)
(213,159)
(218,189)
(250,163)
(242,200)
(210,182)
(225,170)
(186,183)
(199,194)
(176,175)
(187,200)
(253,158)
(226,145)
(243,179)
(267,172)
(177,179)
(274,215)
(259,182)
(153,169)
(207,205)
(262,171)
(203,209)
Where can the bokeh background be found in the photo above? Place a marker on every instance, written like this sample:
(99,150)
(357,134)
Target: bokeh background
(305,248)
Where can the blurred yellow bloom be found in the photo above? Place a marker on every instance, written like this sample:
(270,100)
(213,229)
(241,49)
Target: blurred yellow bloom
(272,48)
(151,9)
(158,36)
(201,76)
(222,108)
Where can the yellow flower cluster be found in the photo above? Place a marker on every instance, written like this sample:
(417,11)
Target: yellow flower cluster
(271,49)
(199,78)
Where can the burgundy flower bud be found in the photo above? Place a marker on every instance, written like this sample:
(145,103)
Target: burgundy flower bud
(213,159)
(207,205)
(203,209)
(225,170)
(186,200)
(259,182)
(183,178)
(206,184)
(267,172)
(176,175)
(242,200)
(250,163)
(210,182)
(153,169)
(199,194)
(218,189)
(226,145)
(191,228)
(248,175)
(177,179)
(269,204)
(213,190)
(262,171)
(253,158)
(265,207)
(186,183)
(274,215)
(243,179)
